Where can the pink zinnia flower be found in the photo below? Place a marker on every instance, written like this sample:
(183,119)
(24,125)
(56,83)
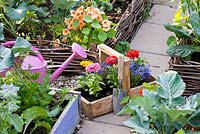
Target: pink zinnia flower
(93,68)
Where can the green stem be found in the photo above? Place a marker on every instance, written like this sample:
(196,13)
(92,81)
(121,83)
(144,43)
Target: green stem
(19,74)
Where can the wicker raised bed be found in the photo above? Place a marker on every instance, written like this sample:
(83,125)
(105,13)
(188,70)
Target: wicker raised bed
(190,73)
(127,27)
(130,22)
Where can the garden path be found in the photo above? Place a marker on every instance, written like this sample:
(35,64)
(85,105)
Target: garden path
(151,41)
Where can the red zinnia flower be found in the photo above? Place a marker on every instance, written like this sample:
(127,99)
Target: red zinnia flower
(140,92)
(133,54)
(111,60)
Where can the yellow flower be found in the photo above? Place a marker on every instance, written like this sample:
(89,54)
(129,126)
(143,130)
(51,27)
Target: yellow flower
(56,43)
(85,63)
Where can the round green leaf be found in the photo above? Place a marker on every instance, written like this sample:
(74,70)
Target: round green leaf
(102,36)
(86,31)
(87,19)
(171,41)
(95,24)
(111,33)
(75,23)
(85,39)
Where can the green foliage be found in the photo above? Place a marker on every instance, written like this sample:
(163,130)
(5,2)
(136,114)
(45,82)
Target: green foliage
(88,25)
(91,83)
(31,18)
(103,5)
(112,76)
(182,50)
(122,47)
(23,100)
(186,27)
(151,87)
(163,111)
(8,56)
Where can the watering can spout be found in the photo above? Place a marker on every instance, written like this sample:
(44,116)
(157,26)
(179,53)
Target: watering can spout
(78,51)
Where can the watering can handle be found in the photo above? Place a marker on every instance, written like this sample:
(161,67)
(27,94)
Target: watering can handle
(11,43)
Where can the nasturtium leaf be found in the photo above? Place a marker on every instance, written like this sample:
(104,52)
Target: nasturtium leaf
(171,86)
(102,36)
(111,33)
(34,112)
(16,121)
(85,39)
(75,23)
(87,19)
(1,32)
(95,24)
(195,22)
(180,50)
(16,13)
(171,41)
(118,48)
(7,58)
(86,31)
(178,30)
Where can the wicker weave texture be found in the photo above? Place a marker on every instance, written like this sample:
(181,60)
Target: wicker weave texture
(190,73)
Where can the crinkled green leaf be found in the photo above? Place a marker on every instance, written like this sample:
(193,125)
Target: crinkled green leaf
(1,32)
(7,58)
(178,30)
(171,85)
(16,121)
(181,50)
(195,22)
(16,13)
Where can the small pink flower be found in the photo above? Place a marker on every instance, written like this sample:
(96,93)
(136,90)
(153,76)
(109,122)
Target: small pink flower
(93,68)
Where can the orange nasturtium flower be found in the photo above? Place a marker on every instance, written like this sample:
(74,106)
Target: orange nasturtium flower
(66,31)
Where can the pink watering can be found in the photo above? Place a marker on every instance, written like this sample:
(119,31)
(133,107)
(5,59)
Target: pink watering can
(38,64)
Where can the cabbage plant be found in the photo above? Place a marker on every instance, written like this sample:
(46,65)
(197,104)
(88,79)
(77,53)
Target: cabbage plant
(164,111)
